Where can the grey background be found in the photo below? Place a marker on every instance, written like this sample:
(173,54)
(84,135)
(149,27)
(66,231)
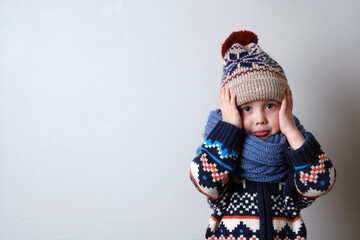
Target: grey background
(103,104)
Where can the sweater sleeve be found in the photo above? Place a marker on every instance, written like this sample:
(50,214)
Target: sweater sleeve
(210,170)
(314,173)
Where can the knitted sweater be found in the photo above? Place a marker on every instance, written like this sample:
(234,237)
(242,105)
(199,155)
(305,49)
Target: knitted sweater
(247,210)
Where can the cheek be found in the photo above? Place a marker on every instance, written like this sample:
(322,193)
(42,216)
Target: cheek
(277,127)
(246,123)
(275,122)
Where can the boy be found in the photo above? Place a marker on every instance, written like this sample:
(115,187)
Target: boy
(258,166)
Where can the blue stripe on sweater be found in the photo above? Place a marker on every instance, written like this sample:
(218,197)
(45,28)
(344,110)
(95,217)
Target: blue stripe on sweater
(217,160)
(301,167)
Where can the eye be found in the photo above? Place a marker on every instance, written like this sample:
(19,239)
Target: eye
(246,109)
(270,106)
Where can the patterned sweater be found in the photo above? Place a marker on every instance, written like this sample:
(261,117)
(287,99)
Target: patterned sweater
(247,210)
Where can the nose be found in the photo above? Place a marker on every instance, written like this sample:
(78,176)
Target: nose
(260,119)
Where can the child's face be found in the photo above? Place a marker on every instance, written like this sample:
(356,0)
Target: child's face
(261,118)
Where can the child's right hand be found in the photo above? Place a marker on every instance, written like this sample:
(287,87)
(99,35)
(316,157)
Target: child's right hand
(230,113)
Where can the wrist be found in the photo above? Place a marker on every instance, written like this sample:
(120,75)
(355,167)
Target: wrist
(234,122)
(295,138)
(290,129)
(309,151)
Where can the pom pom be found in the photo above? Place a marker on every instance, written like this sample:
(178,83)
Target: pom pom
(242,37)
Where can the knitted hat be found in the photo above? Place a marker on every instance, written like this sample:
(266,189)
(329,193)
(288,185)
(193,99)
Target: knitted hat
(249,71)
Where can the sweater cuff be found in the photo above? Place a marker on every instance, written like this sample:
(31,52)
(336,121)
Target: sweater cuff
(306,154)
(229,135)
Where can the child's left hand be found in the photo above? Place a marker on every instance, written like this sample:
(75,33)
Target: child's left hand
(286,118)
(287,122)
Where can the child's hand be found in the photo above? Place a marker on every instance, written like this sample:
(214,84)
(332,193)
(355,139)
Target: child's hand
(230,113)
(287,122)
(286,119)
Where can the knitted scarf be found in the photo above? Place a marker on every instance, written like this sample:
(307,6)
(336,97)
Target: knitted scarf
(261,160)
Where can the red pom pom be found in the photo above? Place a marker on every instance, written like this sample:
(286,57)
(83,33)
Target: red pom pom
(243,37)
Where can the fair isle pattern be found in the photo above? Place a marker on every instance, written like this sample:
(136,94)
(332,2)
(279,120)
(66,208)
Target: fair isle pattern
(251,222)
(250,72)
(248,60)
(283,207)
(219,206)
(315,170)
(312,192)
(286,238)
(277,205)
(318,178)
(294,224)
(208,191)
(249,206)
(244,209)
(290,206)
(213,224)
(304,202)
(223,153)
(220,156)
(241,237)
(216,176)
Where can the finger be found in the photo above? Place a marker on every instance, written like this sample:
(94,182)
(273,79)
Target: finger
(284,103)
(224,98)
(290,100)
(288,103)
(222,94)
(221,97)
(227,95)
(233,100)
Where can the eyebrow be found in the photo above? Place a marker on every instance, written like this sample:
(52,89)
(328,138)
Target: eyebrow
(265,102)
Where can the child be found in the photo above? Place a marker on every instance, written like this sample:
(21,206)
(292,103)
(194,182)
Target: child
(257,166)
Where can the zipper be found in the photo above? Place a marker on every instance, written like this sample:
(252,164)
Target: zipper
(262,212)
(266,229)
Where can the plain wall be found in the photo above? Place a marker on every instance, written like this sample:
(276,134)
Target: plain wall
(103,104)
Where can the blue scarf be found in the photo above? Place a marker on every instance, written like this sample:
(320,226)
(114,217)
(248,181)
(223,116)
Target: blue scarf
(261,160)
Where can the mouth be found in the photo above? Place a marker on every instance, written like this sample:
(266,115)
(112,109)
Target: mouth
(261,133)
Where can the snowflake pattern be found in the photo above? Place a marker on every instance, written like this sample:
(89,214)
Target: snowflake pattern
(283,207)
(243,205)
(256,57)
